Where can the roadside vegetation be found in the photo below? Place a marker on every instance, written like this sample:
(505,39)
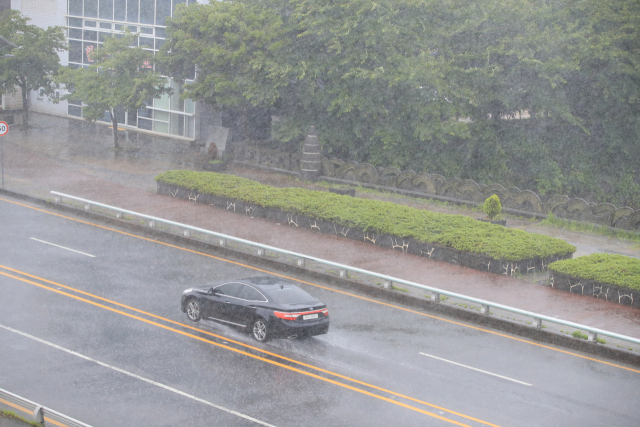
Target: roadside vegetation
(455,231)
(617,270)
(115,80)
(500,91)
(497,91)
(552,221)
(33,62)
(14,416)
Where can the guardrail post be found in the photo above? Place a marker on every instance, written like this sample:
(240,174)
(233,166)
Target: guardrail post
(152,224)
(435,297)
(38,415)
(119,215)
(538,323)
(301,262)
(260,252)
(58,199)
(87,207)
(186,233)
(343,272)
(388,284)
(223,242)
(484,309)
(593,337)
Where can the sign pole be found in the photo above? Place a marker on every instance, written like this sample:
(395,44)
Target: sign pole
(4,129)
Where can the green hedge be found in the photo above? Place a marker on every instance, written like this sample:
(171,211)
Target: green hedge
(617,270)
(456,231)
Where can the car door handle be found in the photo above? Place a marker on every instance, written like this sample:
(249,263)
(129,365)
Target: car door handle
(252,306)
(226,302)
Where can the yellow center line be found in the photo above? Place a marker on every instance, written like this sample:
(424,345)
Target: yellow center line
(244,345)
(226,347)
(333,290)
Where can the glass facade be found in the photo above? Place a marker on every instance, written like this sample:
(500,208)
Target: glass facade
(91,21)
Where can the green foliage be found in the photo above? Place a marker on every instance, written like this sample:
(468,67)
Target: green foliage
(34,62)
(233,45)
(435,85)
(456,231)
(11,414)
(617,270)
(590,228)
(578,334)
(492,207)
(116,79)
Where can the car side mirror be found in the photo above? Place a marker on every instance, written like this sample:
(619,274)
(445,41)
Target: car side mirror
(210,291)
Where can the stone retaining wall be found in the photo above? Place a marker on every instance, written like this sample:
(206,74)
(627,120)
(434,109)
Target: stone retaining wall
(455,188)
(398,243)
(594,289)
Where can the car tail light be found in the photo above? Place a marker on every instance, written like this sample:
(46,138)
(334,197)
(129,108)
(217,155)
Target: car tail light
(294,316)
(286,316)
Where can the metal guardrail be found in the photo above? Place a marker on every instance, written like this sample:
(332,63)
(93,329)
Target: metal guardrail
(39,412)
(344,269)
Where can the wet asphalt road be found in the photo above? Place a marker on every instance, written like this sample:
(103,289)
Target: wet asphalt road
(142,366)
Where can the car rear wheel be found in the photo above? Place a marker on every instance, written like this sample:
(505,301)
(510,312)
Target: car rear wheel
(193,310)
(260,331)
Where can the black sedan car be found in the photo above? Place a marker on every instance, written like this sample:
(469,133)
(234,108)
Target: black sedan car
(267,307)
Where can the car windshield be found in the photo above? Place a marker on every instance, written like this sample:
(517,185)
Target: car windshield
(291,295)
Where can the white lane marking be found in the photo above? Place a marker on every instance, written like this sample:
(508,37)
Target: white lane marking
(197,399)
(476,369)
(62,247)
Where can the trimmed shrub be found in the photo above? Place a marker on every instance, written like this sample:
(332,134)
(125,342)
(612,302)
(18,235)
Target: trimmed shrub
(616,270)
(455,231)
(492,207)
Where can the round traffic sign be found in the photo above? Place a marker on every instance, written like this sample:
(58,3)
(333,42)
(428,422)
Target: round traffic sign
(4,128)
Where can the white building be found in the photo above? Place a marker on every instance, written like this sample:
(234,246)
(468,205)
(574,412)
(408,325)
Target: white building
(88,23)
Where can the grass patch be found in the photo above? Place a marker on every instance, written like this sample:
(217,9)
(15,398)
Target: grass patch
(617,270)
(582,227)
(578,334)
(455,231)
(11,414)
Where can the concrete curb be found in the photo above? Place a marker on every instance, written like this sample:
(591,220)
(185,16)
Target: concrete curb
(594,289)
(536,334)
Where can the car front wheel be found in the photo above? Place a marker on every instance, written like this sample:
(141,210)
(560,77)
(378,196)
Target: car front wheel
(193,310)
(260,331)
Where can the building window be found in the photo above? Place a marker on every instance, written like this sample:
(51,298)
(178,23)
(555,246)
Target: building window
(132,10)
(167,114)
(75,7)
(106,9)
(120,10)
(91,8)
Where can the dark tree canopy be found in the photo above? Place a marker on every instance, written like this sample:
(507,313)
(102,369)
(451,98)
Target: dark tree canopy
(541,95)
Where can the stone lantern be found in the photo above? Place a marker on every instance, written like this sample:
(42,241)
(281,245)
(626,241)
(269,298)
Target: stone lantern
(311,159)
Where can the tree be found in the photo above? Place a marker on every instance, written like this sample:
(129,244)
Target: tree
(35,60)
(120,76)
(231,45)
(436,85)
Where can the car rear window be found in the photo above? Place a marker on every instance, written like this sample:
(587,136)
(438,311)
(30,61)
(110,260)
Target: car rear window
(291,295)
